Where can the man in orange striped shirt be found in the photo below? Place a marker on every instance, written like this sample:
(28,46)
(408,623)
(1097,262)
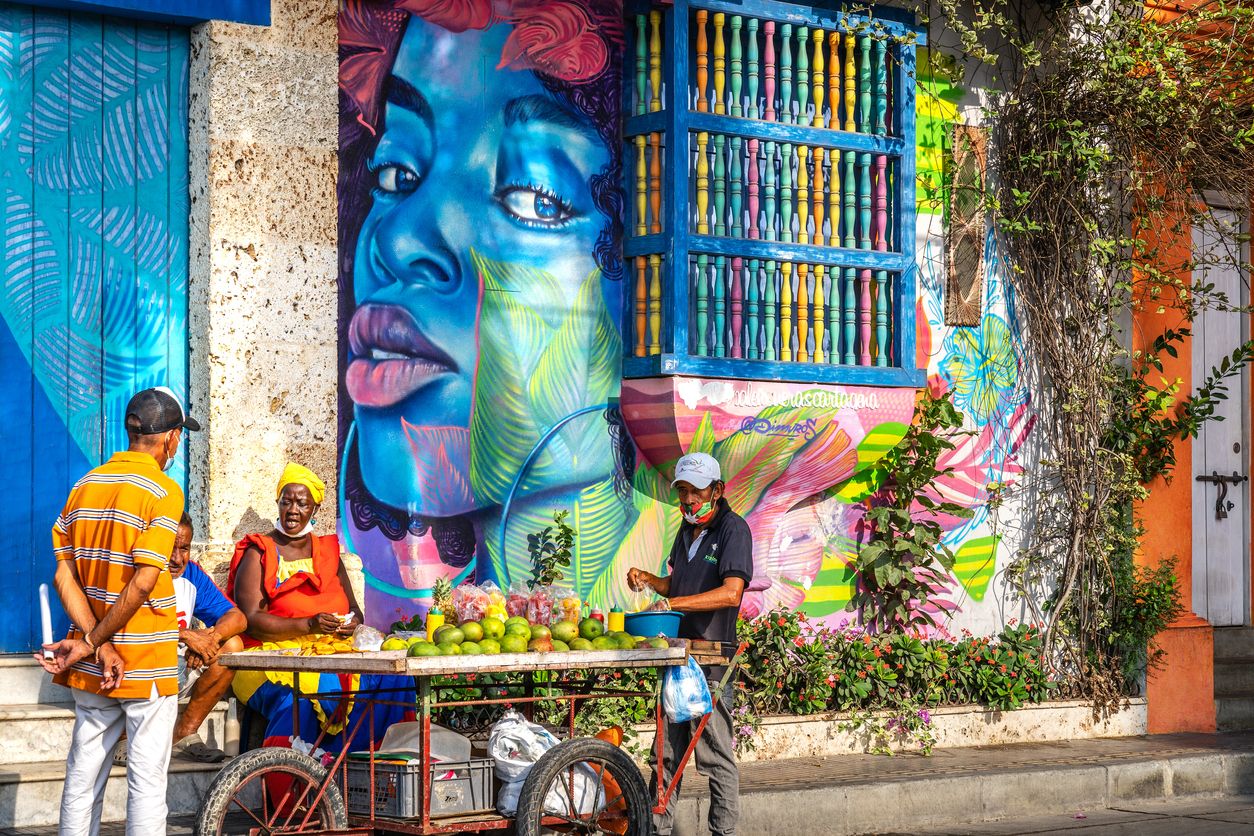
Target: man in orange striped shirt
(112,543)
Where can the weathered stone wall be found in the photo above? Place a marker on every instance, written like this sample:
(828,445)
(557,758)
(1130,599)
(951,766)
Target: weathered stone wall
(263,112)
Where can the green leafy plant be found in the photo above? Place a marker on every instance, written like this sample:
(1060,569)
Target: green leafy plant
(903,561)
(550,551)
(886,684)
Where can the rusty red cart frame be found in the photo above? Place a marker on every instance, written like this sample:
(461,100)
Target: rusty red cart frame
(313,801)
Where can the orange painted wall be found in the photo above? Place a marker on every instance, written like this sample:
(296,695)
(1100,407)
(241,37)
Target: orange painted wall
(1181,695)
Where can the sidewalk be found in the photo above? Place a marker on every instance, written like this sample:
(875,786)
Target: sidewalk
(1188,783)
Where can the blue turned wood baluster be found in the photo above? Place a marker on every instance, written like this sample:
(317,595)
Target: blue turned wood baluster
(785,72)
(785,192)
(719,282)
(769,297)
(752,314)
(768,192)
(752,110)
(736,174)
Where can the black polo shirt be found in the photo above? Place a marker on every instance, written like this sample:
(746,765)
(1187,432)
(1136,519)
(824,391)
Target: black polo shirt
(725,551)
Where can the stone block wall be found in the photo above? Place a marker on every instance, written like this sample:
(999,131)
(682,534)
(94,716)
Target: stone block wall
(263,147)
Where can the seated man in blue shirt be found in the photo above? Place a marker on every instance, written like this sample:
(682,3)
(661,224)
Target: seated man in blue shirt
(202,681)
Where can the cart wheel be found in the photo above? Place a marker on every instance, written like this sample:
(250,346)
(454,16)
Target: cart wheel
(271,790)
(585,786)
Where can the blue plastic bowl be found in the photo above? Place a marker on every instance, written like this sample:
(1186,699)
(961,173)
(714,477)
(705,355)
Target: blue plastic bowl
(650,624)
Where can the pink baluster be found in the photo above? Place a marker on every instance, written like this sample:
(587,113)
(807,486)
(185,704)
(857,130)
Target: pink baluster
(768,31)
(753,188)
(879,216)
(737,305)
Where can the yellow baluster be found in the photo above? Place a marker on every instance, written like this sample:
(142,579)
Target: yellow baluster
(642,188)
(703,62)
(803,313)
(816,76)
(785,314)
(655,305)
(833,79)
(703,184)
(720,64)
(655,181)
(655,60)
(819,296)
(803,194)
(642,307)
(818,197)
(851,95)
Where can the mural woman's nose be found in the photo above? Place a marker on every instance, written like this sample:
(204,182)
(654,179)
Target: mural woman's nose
(412,245)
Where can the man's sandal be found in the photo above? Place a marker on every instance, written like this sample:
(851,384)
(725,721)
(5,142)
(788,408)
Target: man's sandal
(192,748)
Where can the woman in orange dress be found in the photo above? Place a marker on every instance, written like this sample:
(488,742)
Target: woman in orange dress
(291,583)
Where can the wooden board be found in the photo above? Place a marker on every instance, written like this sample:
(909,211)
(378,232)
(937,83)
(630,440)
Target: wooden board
(395,661)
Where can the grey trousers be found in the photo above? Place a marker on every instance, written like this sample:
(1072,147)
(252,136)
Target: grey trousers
(715,755)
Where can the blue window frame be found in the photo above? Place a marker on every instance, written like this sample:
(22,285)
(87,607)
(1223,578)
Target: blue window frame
(769,167)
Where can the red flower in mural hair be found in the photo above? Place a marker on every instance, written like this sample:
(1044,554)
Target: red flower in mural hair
(453,15)
(555,38)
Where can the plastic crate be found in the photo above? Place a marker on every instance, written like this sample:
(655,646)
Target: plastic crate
(457,787)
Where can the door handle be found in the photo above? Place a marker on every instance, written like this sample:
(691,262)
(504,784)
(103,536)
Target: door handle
(1222,505)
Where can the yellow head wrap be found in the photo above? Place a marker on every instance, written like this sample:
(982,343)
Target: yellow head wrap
(295,474)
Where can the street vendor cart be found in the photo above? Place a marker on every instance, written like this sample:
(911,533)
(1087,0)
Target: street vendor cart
(582,785)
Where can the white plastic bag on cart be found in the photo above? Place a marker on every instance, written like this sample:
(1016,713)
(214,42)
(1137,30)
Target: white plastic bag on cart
(685,693)
(516,745)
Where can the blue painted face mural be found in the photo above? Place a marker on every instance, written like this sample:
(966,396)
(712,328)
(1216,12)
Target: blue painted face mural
(479,186)
(476,252)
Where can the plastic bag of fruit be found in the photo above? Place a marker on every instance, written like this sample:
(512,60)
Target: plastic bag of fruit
(540,606)
(516,600)
(470,603)
(566,605)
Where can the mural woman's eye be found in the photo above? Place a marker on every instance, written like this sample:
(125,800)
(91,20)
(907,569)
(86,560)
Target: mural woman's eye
(535,206)
(395,179)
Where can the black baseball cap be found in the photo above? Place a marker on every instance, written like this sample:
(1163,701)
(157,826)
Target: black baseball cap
(157,410)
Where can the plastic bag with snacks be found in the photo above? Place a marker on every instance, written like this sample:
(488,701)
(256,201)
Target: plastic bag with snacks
(366,637)
(470,603)
(566,604)
(516,601)
(540,606)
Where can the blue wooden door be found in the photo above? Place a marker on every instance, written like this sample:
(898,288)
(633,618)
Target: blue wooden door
(93,214)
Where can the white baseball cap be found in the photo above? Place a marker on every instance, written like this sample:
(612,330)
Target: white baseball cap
(697,469)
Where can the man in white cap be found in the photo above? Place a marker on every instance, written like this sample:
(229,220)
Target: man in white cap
(711,562)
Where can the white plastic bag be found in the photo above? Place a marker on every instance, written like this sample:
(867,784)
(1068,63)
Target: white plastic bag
(367,638)
(516,745)
(685,693)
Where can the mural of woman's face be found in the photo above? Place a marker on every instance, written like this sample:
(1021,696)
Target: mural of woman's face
(475,256)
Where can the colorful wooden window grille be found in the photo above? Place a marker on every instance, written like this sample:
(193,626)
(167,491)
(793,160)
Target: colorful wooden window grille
(769,153)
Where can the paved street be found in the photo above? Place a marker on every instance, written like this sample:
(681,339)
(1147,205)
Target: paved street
(1190,817)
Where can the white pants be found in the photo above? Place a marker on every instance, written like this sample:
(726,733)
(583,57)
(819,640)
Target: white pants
(98,724)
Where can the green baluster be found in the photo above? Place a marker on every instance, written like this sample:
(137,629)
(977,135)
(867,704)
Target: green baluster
(737,67)
(881,86)
(803,75)
(703,305)
(754,69)
(720,306)
(864,84)
(785,192)
(768,192)
(642,58)
(881,318)
(864,201)
(720,184)
(737,188)
(751,309)
(785,73)
(833,315)
(848,191)
(849,313)
(768,303)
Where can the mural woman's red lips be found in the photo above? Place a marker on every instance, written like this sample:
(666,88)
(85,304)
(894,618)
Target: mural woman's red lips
(391,357)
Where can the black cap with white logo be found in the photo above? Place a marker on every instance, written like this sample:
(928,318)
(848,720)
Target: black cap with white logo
(157,410)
